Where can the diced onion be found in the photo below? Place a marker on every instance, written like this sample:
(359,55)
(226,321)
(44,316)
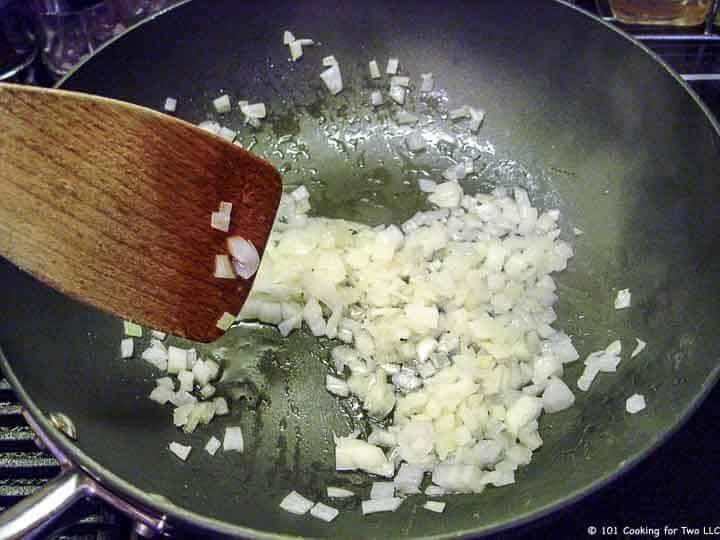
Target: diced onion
(221,406)
(435,506)
(333,79)
(397,94)
(427,82)
(477,116)
(392,66)
(213,445)
(233,439)
(186,380)
(557,396)
(415,142)
(426,185)
(336,386)
(296,50)
(460,112)
(635,403)
(224,267)
(254,110)
(162,394)
(329,61)
(220,221)
(180,450)
(623,299)
(159,335)
(296,503)
(127,346)
(245,257)
(288,37)
(399,80)
(376,98)
(225,321)
(374,69)
(640,347)
(227,134)
(381,505)
(170,104)
(177,359)
(132,329)
(222,104)
(403,118)
(324,512)
(382,490)
(339,493)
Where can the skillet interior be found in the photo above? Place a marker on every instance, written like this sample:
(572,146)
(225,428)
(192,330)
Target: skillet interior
(599,128)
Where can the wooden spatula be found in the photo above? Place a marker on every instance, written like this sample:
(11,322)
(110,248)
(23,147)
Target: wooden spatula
(110,203)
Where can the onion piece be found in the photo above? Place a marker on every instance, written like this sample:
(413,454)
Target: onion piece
(233,439)
(213,445)
(578,232)
(132,329)
(220,221)
(376,98)
(635,403)
(224,268)
(408,478)
(382,490)
(623,299)
(477,116)
(435,506)
(254,110)
(381,505)
(557,396)
(324,512)
(415,142)
(296,50)
(177,359)
(288,37)
(460,112)
(222,104)
(210,126)
(221,406)
(397,94)
(245,257)
(333,79)
(336,386)
(426,185)
(339,493)
(392,66)
(180,450)
(400,80)
(640,347)
(162,394)
(166,382)
(159,335)
(329,61)
(156,355)
(427,82)
(227,134)
(186,380)
(351,454)
(435,491)
(207,391)
(296,503)
(305,42)
(225,321)
(404,117)
(127,346)
(170,104)
(374,69)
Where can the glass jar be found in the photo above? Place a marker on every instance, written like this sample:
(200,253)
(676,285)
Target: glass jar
(661,12)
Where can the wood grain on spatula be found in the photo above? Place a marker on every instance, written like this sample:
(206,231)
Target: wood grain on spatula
(110,203)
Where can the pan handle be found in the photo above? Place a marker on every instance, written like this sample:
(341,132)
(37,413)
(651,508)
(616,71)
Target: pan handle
(32,515)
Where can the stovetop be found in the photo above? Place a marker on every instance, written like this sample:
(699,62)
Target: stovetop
(674,487)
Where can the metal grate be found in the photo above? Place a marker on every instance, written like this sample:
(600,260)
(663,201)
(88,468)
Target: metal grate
(24,468)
